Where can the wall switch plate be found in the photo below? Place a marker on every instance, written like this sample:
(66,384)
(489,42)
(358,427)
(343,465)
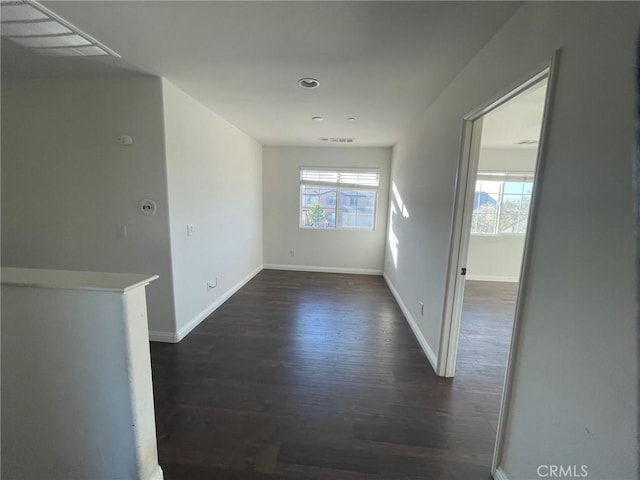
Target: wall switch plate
(190,228)
(421,308)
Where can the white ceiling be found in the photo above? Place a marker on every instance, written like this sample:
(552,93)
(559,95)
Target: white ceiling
(518,120)
(381,62)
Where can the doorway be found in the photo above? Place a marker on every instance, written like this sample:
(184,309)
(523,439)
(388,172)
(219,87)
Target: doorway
(495,199)
(496,195)
(503,178)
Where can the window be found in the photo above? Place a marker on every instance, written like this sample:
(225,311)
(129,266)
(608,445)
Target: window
(501,203)
(344,198)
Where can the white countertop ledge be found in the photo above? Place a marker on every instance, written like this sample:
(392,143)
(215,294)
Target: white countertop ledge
(72,280)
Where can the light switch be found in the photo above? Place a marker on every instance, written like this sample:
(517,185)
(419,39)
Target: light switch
(190,228)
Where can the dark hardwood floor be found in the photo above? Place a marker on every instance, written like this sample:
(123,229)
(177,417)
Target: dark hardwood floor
(318,376)
(483,345)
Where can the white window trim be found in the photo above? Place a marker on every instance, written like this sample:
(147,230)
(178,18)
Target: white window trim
(338,186)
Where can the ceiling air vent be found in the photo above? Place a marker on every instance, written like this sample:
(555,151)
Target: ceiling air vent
(37,28)
(341,140)
(527,142)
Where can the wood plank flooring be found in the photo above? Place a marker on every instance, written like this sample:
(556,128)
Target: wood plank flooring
(483,346)
(318,376)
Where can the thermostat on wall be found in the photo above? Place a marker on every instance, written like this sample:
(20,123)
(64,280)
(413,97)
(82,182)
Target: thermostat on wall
(148,206)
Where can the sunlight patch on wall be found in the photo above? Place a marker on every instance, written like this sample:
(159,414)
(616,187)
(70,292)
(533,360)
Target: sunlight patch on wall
(396,196)
(393,239)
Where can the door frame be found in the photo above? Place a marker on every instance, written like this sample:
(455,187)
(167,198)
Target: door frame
(464,192)
(552,79)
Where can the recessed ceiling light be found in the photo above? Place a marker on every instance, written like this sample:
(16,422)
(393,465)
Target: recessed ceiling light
(317,119)
(33,26)
(351,119)
(308,82)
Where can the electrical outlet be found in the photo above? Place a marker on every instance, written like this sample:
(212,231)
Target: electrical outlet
(292,253)
(190,229)
(125,140)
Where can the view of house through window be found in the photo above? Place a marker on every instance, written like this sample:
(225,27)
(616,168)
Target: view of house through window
(501,203)
(344,198)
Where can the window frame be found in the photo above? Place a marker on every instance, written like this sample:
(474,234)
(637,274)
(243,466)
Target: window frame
(502,177)
(338,186)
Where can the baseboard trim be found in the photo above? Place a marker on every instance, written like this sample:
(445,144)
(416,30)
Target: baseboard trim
(492,278)
(431,356)
(500,475)
(164,337)
(309,268)
(169,337)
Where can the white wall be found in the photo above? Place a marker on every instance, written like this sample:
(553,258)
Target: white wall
(498,257)
(76,378)
(215,183)
(495,258)
(507,159)
(325,250)
(68,188)
(575,394)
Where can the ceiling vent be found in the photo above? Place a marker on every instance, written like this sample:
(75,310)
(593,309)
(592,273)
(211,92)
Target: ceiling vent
(337,139)
(37,28)
(527,142)
(341,140)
